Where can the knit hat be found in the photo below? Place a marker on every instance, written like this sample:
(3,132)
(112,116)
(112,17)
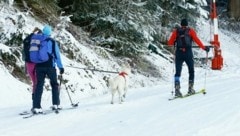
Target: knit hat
(184,22)
(47,30)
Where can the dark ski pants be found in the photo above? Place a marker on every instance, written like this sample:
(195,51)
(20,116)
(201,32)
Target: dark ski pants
(42,72)
(186,57)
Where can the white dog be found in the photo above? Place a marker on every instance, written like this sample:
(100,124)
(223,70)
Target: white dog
(119,84)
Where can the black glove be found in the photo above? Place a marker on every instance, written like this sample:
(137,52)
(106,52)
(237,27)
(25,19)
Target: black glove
(61,70)
(207,49)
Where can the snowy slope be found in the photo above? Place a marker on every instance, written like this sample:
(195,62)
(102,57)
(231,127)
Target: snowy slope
(146,112)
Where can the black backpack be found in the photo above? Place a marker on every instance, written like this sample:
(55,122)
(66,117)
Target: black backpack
(26,47)
(183,40)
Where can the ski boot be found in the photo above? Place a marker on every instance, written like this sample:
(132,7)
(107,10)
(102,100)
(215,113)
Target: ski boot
(56,107)
(191,91)
(177,90)
(37,110)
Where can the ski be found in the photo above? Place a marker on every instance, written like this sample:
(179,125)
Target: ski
(29,113)
(28,116)
(46,112)
(202,91)
(25,113)
(33,114)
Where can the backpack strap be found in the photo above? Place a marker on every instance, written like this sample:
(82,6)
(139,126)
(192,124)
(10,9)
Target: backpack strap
(53,46)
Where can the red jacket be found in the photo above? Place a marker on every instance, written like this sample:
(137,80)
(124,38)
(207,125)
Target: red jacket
(193,35)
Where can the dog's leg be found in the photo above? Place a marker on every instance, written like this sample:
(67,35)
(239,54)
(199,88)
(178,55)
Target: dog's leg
(125,92)
(120,99)
(113,93)
(120,96)
(112,97)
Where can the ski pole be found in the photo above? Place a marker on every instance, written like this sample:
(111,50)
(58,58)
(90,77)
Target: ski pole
(74,105)
(173,69)
(205,74)
(173,80)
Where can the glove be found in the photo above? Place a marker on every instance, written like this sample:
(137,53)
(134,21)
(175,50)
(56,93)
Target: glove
(61,70)
(207,49)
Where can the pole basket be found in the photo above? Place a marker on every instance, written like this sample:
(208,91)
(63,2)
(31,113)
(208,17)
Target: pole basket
(217,61)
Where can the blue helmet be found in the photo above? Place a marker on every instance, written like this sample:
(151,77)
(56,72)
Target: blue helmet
(47,30)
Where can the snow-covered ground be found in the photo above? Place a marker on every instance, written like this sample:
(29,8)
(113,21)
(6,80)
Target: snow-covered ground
(146,111)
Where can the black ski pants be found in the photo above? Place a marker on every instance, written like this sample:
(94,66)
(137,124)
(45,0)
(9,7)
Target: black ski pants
(51,73)
(187,57)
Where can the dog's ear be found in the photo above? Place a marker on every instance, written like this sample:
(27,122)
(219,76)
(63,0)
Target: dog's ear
(106,79)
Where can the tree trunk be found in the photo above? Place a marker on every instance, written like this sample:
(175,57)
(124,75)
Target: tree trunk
(234,10)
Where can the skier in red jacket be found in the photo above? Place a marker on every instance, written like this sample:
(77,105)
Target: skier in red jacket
(182,37)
